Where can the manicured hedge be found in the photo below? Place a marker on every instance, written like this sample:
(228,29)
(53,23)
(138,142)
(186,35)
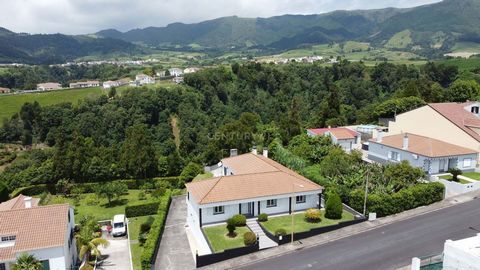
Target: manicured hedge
(150,246)
(141,209)
(405,199)
(173,182)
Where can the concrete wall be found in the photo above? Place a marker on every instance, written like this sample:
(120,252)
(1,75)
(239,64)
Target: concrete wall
(380,153)
(426,121)
(455,258)
(457,188)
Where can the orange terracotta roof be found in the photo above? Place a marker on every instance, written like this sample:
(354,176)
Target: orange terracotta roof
(17,203)
(425,146)
(255,176)
(34,228)
(456,113)
(340,133)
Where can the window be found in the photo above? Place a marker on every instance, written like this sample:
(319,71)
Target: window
(474,109)
(8,238)
(467,162)
(394,155)
(2,266)
(217,210)
(301,199)
(45,265)
(272,203)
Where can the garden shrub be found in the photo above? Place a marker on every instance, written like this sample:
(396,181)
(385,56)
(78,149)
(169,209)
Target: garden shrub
(239,220)
(281,232)
(455,172)
(141,209)
(334,207)
(90,199)
(231,227)
(313,215)
(147,225)
(262,217)
(156,230)
(33,190)
(249,238)
(3,192)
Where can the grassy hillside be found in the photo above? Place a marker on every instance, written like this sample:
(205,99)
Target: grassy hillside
(400,40)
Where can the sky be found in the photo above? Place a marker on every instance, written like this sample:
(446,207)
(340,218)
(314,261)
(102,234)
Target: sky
(90,16)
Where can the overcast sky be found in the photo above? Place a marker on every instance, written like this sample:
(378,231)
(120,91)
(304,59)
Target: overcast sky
(89,16)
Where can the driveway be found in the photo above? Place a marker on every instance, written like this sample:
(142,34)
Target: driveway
(174,251)
(116,256)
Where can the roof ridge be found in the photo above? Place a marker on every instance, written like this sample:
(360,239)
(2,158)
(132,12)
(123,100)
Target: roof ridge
(220,178)
(36,207)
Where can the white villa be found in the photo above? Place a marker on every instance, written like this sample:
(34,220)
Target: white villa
(176,72)
(433,156)
(43,231)
(143,79)
(85,84)
(249,184)
(346,138)
(48,86)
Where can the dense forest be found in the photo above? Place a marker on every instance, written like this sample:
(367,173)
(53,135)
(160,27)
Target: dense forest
(157,132)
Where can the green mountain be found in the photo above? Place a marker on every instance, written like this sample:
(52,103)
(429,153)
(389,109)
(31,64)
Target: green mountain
(56,48)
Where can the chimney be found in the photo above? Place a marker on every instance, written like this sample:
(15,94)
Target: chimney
(233,152)
(379,136)
(405,142)
(254,150)
(265,153)
(28,202)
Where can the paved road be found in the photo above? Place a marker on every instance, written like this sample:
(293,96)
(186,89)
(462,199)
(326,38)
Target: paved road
(174,251)
(388,247)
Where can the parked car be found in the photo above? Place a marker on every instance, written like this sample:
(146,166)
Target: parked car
(119,225)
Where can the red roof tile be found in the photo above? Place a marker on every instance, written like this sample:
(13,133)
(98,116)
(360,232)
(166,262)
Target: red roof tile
(456,113)
(340,133)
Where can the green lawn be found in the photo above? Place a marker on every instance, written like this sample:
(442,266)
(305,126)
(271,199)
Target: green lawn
(300,224)
(449,178)
(472,175)
(134,230)
(203,176)
(218,239)
(89,204)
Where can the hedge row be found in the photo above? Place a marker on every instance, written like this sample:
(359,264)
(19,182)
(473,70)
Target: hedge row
(405,199)
(173,182)
(142,209)
(153,238)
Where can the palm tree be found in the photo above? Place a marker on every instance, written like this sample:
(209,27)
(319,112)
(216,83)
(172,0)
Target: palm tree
(27,262)
(88,244)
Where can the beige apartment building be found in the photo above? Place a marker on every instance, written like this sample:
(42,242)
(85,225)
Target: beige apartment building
(454,123)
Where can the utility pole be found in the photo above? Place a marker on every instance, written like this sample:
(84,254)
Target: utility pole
(367,174)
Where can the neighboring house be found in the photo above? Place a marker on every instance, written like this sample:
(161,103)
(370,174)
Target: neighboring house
(48,86)
(5,90)
(19,202)
(161,74)
(177,80)
(455,123)
(190,70)
(249,184)
(346,138)
(143,79)
(86,84)
(175,72)
(433,156)
(110,84)
(46,232)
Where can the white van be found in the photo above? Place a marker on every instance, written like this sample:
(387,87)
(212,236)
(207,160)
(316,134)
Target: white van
(119,225)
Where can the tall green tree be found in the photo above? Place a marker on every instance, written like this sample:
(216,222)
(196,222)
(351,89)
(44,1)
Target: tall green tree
(138,153)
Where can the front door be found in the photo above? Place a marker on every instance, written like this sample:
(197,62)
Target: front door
(250,209)
(441,165)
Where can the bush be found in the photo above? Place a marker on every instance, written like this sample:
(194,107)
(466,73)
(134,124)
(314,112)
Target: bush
(156,230)
(142,238)
(455,172)
(231,227)
(313,215)
(262,217)
(249,238)
(90,199)
(141,209)
(334,207)
(190,171)
(239,220)
(33,190)
(281,232)
(3,192)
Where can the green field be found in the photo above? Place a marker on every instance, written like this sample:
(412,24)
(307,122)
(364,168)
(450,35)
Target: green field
(463,64)
(466,47)
(134,230)
(400,40)
(11,104)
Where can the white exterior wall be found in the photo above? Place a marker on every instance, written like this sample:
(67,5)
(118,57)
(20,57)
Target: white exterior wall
(455,257)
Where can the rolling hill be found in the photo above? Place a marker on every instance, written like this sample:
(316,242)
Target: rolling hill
(428,30)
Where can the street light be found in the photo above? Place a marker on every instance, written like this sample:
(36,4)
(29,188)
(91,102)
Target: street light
(293,206)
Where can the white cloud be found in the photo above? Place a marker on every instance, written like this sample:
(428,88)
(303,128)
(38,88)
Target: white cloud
(89,16)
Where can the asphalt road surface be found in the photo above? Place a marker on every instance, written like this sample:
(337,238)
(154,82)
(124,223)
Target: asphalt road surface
(388,247)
